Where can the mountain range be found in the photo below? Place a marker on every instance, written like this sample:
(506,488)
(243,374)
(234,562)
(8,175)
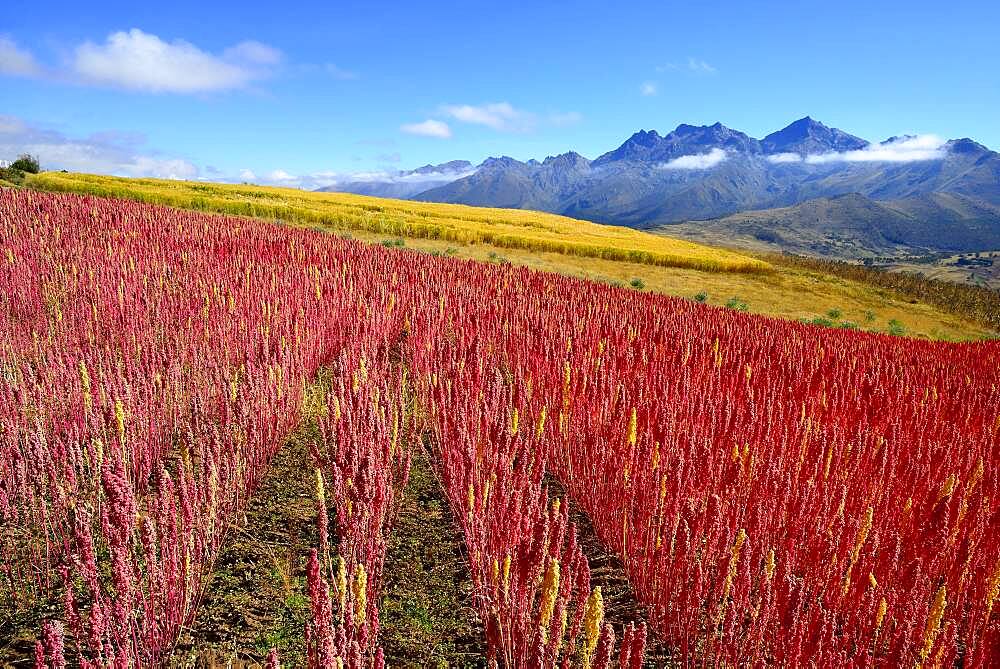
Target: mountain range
(806,188)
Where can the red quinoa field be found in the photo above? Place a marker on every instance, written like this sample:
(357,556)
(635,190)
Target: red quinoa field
(776,494)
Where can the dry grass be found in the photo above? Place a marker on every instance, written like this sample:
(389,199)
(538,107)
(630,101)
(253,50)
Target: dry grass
(505,228)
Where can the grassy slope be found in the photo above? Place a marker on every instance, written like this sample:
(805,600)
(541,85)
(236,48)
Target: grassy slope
(786,292)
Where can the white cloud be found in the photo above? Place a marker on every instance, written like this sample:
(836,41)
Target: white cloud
(700,67)
(399,177)
(648,88)
(700,161)
(896,150)
(15,61)
(140,61)
(327,178)
(504,117)
(253,52)
(428,128)
(780,158)
(500,116)
(169,168)
(692,65)
(280,176)
(102,153)
(136,60)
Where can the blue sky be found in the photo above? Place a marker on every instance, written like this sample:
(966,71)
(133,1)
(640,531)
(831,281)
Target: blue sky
(293,93)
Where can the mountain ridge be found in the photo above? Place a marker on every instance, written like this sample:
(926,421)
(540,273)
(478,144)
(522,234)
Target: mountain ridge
(711,172)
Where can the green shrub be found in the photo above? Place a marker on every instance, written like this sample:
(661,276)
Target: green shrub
(869,315)
(497,258)
(834,313)
(896,328)
(701,297)
(637,283)
(26,163)
(737,304)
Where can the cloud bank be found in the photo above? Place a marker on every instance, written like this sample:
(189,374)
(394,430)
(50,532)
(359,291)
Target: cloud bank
(331,179)
(908,149)
(895,150)
(115,153)
(126,154)
(700,161)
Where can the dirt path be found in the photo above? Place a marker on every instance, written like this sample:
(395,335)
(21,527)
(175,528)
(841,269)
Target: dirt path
(256,597)
(18,629)
(620,604)
(428,618)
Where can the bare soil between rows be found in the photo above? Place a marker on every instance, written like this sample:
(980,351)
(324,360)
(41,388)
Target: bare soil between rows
(256,596)
(621,606)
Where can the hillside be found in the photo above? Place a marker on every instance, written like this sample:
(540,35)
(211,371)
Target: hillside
(854,226)
(553,243)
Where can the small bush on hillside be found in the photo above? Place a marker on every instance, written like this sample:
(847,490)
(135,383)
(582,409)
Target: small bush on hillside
(834,313)
(848,325)
(869,315)
(896,328)
(390,243)
(737,304)
(637,283)
(701,297)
